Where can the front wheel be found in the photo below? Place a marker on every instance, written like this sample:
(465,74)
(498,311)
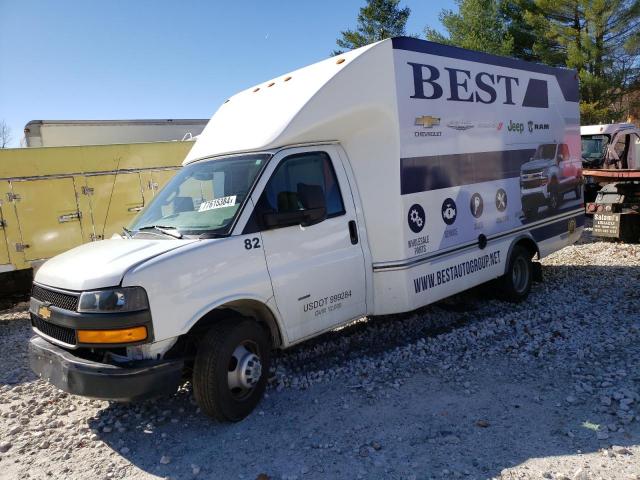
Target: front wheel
(555,197)
(515,284)
(231,368)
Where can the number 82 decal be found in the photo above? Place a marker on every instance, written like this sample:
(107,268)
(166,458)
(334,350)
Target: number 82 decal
(250,243)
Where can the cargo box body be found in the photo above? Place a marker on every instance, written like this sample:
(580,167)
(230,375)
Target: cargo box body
(448,147)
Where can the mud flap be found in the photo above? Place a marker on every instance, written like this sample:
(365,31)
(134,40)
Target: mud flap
(536,272)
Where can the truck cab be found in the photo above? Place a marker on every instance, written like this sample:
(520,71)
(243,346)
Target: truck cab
(608,146)
(547,177)
(611,157)
(253,235)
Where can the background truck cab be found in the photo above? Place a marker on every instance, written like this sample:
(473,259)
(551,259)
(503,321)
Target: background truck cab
(610,146)
(547,177)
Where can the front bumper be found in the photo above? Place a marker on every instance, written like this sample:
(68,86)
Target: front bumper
(532,199)
(72,374)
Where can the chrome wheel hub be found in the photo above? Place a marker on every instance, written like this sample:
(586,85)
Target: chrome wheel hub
(245,370)
(519,274)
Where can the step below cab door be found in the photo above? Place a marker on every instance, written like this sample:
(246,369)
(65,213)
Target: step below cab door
(317,270)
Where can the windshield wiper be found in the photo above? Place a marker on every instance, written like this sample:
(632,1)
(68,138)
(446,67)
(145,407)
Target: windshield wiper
(206,235)
(128,232)
(171,231)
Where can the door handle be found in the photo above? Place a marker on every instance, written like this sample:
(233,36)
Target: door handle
(353,232)
(69,217)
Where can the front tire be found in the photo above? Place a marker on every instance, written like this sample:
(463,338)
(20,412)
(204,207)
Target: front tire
(231,368)
(515,285)
(555,197)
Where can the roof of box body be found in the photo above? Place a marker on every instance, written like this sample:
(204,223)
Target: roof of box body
(298,107)
(262,117)
(605,129)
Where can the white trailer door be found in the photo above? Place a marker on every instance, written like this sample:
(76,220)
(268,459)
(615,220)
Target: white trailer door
(317,272)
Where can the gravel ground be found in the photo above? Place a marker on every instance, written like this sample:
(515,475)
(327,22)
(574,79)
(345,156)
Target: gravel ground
(469,388)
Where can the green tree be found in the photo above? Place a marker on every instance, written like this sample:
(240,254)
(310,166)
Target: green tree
(477,25)
(598,38)
(512,13)
(377,20)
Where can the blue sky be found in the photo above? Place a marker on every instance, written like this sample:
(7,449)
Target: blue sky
(72,59)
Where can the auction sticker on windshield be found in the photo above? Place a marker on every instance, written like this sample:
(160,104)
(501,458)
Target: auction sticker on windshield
(218,203)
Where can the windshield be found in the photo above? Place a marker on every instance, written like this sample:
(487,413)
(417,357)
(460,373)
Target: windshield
(594,147)
(203,197)
(545,152)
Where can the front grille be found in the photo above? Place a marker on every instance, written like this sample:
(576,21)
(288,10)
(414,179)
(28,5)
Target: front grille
(62,334)
(539,182)
(65,301)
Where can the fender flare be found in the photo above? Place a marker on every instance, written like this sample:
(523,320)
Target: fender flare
(248,306)
(527,239)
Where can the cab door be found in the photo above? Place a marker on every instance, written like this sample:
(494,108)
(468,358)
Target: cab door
(317,271)
(48,216)
(634,158)
(622,145)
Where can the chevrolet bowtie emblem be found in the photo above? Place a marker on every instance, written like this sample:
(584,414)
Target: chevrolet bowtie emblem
(427,121)
(44,312)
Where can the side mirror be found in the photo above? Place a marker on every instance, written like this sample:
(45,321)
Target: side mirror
(313,216)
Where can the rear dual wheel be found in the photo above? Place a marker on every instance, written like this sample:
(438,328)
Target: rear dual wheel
(515,285)
(231,368)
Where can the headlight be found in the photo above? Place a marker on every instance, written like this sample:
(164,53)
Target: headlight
(127,299)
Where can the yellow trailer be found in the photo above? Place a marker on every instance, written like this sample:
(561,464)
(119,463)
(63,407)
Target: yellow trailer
(54,198)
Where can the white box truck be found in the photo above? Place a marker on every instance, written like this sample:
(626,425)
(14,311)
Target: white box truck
(371,183)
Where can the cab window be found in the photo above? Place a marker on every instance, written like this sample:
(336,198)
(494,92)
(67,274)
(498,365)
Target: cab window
(297,175)
(622,149)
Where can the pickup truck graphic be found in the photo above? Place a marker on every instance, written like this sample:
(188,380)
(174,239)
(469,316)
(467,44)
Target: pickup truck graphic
(548,177)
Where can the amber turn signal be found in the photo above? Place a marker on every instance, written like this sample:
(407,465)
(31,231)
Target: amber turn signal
(125,335)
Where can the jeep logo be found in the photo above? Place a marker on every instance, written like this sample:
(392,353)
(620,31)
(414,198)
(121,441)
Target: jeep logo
(515,127)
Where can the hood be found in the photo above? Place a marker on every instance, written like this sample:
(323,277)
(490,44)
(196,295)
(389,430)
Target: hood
(101,264)
(537,164)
